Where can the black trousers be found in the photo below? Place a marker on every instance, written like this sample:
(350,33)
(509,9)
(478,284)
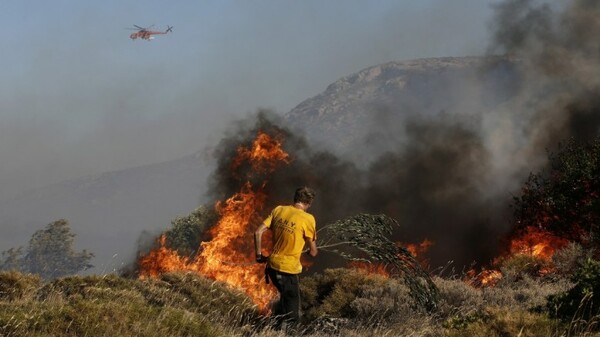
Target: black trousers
(288,286)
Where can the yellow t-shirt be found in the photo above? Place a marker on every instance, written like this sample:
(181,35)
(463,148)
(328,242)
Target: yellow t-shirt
(290,226)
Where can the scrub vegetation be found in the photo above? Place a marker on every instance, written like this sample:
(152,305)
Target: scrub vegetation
(343,301)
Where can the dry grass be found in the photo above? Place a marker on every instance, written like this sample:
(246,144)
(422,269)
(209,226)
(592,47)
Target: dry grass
(339,302)
(524,293)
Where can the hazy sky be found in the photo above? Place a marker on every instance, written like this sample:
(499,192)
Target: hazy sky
(78,97)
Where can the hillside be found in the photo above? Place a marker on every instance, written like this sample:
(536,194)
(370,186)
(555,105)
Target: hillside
(109,212)
(358,106)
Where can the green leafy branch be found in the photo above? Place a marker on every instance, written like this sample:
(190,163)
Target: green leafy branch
(365,238)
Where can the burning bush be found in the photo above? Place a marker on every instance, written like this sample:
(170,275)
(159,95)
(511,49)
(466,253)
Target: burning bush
(364,239)
(224,250)
(565,199)
(517,266)
(556,218)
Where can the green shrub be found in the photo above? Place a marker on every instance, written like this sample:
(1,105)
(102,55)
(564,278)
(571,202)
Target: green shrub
(186,232)
(582,302)
(564,198)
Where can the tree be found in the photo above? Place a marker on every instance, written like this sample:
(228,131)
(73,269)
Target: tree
(186,232)
(50,253)
(565,198)
(11,259)
(579,303)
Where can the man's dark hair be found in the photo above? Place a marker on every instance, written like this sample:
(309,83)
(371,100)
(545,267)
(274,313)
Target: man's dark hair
(304,195)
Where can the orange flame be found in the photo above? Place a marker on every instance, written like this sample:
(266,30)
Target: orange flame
(264,155)
(418,250)
(534,242)
(370,268)
(229,255)
(538,243)
(161,260)
(486,278)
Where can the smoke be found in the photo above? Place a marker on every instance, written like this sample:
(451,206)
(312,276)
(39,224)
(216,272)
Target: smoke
(433,185)
(559,50)
(448,177)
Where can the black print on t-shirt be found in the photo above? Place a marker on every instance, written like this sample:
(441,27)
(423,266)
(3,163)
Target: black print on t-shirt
(285,225)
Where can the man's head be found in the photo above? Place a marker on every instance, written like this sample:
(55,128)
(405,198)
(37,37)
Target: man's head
(304,195)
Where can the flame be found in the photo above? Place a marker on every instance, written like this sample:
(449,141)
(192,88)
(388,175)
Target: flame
(229,255)
(417,249)
(264,155)
(161,260)
(533,241)
(485,278)
(538,243)
(369,268)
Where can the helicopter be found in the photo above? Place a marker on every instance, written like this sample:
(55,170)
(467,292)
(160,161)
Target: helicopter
(146,33)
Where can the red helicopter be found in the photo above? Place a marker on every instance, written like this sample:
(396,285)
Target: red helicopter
(146,33)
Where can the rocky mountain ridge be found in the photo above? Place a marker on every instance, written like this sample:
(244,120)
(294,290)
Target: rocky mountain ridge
(344,112)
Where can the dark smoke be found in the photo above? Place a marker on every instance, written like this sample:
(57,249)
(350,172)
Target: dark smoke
(432,185)
(448,177)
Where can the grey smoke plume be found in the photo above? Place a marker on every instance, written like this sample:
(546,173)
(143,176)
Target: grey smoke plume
(448,177)
(559,52)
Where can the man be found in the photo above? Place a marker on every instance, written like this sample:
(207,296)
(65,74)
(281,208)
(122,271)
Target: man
(292,227)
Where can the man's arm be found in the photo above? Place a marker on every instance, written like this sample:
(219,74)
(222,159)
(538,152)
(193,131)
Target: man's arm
(258,238)
(313,247)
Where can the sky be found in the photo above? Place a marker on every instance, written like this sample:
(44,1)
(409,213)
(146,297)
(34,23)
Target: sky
(78,97)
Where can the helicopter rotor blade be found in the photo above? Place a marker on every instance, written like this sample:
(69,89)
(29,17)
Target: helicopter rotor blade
(138,27)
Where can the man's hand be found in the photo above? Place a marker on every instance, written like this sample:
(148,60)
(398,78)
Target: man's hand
(312,244)
(261,258)
(257,244)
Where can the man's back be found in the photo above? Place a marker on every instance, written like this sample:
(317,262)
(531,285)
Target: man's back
(291,227)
